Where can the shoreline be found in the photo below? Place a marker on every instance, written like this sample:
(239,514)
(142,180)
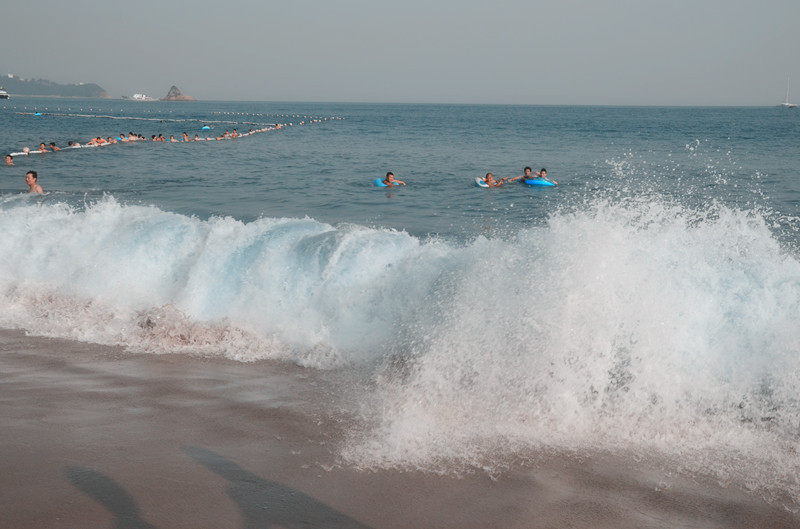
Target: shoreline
(93,436)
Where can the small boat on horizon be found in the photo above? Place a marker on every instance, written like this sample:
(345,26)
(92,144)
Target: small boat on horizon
(3,93)
(143,97)
(786,103)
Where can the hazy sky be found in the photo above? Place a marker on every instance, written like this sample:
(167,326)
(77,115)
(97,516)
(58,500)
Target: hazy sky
(608,52)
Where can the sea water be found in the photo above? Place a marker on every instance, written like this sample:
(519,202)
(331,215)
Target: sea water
(645,306)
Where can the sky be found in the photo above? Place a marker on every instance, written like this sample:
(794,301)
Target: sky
(541,52)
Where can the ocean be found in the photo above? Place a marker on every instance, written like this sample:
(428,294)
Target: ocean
(646,306)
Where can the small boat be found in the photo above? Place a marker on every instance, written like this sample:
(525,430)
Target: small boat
(143,97)
(786,103)
(3,93)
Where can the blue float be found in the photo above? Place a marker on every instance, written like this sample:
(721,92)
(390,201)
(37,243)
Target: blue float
(538,182)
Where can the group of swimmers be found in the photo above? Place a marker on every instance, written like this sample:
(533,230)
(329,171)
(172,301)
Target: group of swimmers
(31,178)
(391,181)
(131,137)
(542,175)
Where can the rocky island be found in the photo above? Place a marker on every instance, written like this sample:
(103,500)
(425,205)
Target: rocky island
(176,95)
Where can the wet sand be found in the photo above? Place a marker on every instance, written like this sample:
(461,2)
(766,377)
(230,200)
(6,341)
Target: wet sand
(93,436)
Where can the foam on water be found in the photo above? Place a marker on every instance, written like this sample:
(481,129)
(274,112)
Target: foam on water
(635,326)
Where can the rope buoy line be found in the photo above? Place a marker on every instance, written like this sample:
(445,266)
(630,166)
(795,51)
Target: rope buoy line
(98,141)
(69,112)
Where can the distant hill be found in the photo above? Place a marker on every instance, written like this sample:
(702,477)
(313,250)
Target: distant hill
(41,87)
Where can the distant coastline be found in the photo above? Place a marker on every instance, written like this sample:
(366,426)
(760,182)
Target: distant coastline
(17,86)
(43,88)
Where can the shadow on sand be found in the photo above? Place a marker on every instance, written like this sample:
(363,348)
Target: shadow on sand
(268,504)
(110,495)
(263,503)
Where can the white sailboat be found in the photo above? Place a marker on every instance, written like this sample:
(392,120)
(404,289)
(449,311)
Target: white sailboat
(786,103)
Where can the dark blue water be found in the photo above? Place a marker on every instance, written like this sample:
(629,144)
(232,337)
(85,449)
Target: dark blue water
(647,304)
(324,170)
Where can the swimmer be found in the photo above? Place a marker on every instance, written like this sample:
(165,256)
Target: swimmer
(491,182)
(43,148)
(525,176)
(9,159)
(186,137)
(391,182)
(543,175)
(30,179)
(54,147)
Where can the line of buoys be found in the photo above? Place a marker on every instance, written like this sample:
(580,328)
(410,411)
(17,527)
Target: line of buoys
(106,112)
(114,139)
(165,120)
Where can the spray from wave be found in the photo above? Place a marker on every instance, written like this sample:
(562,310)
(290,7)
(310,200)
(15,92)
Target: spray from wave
(633,326)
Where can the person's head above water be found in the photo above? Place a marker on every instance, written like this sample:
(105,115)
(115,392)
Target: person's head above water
(31,179)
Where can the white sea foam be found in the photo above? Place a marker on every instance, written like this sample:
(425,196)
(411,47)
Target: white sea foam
(636,327)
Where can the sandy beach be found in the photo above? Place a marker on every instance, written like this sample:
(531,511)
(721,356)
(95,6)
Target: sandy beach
(92,436)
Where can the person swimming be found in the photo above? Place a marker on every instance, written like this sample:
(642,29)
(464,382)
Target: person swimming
(526,175)
(542,174)
(491,182)
(31,179)
(390,180)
